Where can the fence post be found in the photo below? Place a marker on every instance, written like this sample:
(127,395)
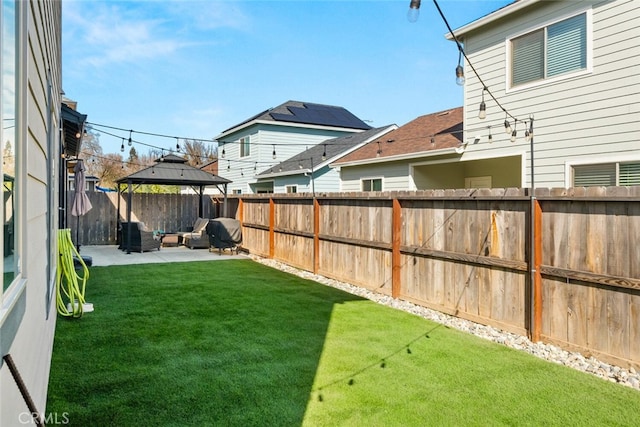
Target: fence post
(395,248)
(316,234)
(272,214)
(537,277)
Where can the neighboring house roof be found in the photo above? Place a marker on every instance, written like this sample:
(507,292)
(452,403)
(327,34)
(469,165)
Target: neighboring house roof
(72,125)
(431,133)
(211,167)
(303,113)
(173,170)
(325,152)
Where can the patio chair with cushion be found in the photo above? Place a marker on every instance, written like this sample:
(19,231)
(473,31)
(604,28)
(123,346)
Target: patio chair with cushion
(197,238)
(141,239)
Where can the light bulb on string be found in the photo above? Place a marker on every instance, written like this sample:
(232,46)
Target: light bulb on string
(507,126)
(324,152)
(490,136)
(130,140)
(482,114)
(527,134)
(514,133)
(177,144)
(122,146)
(273,155)
(460,71)
(223,153)
(414,11)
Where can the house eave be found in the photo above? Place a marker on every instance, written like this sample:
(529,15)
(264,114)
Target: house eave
(399,157)
(284,173)
(287,124)
(492,17)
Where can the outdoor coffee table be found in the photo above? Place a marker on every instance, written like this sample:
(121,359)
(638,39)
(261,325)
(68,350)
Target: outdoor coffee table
(169,240)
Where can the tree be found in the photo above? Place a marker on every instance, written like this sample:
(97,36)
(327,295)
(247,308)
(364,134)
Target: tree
(197,152)
(91,152)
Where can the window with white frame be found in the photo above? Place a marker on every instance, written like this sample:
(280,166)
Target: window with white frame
(556,49)
(291,188)
(245,147)
(236,191)
(606,174)
(372,184)
(9,135)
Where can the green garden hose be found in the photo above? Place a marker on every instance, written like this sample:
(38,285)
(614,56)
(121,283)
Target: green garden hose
(70,284)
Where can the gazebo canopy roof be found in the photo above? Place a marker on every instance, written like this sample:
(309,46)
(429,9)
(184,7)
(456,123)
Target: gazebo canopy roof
(173,170)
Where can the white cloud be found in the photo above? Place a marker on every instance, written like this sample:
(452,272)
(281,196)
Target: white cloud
(104,33)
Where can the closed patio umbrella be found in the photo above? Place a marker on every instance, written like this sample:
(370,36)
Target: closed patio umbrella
(81,204)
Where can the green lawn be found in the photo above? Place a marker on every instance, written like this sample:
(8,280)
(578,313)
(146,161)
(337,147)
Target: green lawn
(236,343)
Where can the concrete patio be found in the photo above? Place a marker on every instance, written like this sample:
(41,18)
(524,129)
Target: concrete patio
(106,255)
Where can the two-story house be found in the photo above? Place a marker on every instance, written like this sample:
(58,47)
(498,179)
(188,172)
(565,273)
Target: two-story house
(310,171)
(572,67)
(271,136)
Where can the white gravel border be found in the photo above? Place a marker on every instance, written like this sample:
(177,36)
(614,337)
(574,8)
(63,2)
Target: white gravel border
(628,377)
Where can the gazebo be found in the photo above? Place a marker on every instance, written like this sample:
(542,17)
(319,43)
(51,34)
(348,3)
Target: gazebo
(172,170)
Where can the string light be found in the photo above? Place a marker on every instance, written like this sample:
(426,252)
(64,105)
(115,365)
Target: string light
(122,146)
(273,155)
(460,71)
(514,133)
(324,152)
(507,126)
(130,140)
(223,153)
(490,136)
(482,114)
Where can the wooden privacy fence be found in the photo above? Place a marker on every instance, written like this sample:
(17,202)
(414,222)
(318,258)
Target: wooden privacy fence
(467,253)
(169,212)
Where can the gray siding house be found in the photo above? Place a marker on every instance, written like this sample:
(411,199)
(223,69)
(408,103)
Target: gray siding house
(309,171)
(30,108)
(572,66)
(266,139)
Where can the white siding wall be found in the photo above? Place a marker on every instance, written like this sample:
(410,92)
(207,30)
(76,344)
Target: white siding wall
(581,118)
(32,346)
(395,176)
(288,141)
(325,180)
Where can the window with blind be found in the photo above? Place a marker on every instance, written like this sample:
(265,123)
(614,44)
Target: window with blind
(606,174)
(550,51)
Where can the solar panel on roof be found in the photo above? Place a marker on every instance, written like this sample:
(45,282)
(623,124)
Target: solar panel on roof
(324,115)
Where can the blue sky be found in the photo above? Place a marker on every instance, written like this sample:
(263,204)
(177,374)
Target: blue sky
(194,68)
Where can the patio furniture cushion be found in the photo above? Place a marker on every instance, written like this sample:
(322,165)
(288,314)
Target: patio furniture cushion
(141,240)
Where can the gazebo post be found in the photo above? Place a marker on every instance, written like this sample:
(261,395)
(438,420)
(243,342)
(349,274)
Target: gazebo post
(226,203)
(130,190)
(118,214)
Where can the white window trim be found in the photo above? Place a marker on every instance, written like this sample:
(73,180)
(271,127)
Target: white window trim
(595,160)
(371,178)
(588,70)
